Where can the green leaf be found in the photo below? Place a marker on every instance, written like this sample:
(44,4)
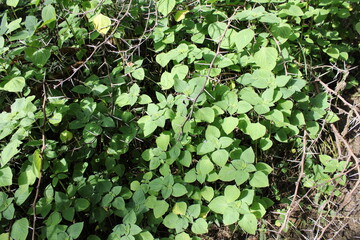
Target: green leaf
(248,155)
(248,223)
(218,205)
(216,30)
(230,216)
(227,173)
(204,166)
(255,130)
(357,27)
(163,140)
(180,15)
(249,95)
(243,107)
(81,204)
(163,59)
(183,236)
(212,132)
(101,23)
(207,193)
(294,11)
(165,6)
(333,52)
(170,220)
(147,125)
(179,208)
(229,124)
(15,84)
(75,230)
(36,163)
(138,74)
(160,208)
(12,3)
(143,236)
(179,190)
(205,114)
(48,14)
(259,180)
(220,157)
(40,57)
(331,117)
(66,136)
(266,57)
(179,71)
(265,168)
(9,151)
(243,38)
(265,143)
(231,193)
(205,147)
(166,81)
(200,226)
(185,158)
(20,229)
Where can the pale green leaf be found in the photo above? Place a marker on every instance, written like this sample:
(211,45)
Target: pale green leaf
(179,208)
(160,208)
(48,14)
(205,114)
(41,56)
(183,236)
(12,3)
(243,38)
(266,58)
(166,81)
(200,226)
(179,71)
(138,74)
(165,6)
(255,130)
(248,223)
(230,216)
(163,140)
(9,151)
(216,30)
(229,124)
(5,176)
(220,157)
(20,229)
(75,230)
(204,166)
(36,163)
(231,193)
(180,15)
(259,180)
(101,23)
(218,205)
(179,190)
(15,84)
(243,107)
(207,193)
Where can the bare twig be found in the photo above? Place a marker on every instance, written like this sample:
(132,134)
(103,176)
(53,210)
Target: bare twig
(119,19)
(43,147)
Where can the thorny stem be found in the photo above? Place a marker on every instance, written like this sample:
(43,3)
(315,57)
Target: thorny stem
(43,147)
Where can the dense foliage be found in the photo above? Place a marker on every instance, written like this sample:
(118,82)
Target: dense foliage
(141,119)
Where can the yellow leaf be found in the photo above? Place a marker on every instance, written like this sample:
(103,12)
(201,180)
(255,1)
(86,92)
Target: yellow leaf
(102,23)
(36,163)
(180,15)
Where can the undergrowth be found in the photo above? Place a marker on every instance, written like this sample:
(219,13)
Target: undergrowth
(170,119)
